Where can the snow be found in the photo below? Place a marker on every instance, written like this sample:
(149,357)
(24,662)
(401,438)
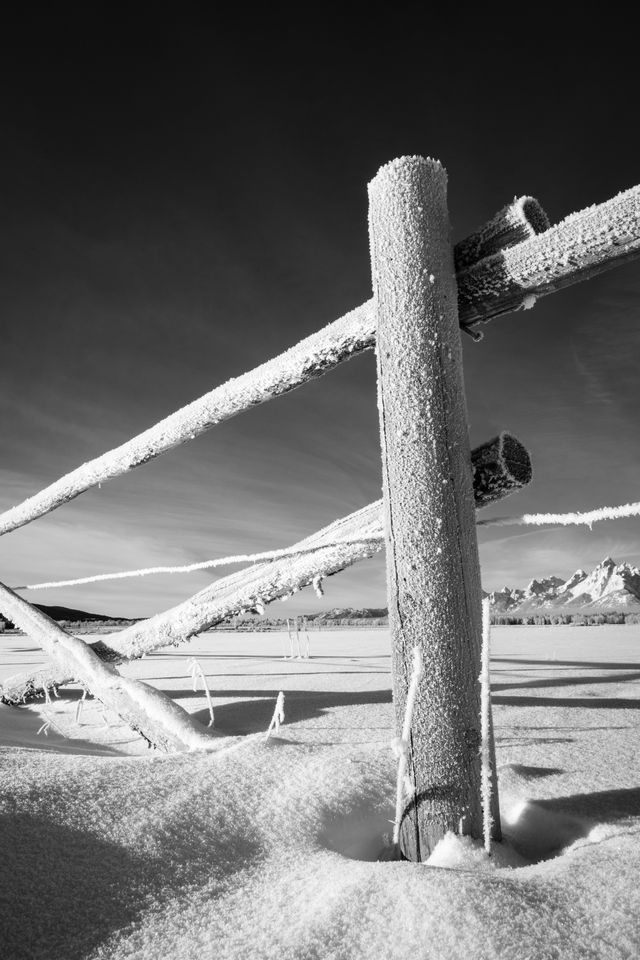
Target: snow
(268,848)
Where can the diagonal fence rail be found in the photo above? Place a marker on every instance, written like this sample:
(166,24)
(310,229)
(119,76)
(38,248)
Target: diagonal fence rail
(528,265)
(500,467)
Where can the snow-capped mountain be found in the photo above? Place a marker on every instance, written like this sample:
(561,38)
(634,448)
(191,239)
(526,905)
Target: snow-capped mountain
(609,586)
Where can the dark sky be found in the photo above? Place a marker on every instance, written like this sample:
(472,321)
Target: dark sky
(182,199)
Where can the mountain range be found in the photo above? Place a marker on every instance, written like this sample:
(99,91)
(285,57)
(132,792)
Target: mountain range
(609,587)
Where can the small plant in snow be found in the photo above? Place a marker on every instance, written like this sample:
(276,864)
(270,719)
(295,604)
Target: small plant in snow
(50,722)
(44,728)
(278,715)
(290,635)
(80,705)
(196,671)
(400,745)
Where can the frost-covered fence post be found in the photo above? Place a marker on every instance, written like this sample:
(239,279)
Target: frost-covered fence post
(433,574)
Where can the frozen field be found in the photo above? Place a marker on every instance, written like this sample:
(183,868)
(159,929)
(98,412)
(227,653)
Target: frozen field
(268,849)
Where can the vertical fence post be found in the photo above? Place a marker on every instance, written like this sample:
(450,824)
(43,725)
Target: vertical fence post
(433,573)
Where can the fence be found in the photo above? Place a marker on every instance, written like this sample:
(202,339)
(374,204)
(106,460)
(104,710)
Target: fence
(413,320)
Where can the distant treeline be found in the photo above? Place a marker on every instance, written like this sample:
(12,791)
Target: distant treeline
(554,619)
(264,624)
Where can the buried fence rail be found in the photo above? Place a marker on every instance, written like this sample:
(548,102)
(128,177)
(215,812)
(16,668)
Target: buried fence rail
(433,571)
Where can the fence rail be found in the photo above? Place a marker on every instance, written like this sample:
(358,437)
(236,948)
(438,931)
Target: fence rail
(500,467)
(531,264)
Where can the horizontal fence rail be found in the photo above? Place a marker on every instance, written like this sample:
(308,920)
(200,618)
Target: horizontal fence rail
(500,467)
(582,245)
(310,358)
(584,518)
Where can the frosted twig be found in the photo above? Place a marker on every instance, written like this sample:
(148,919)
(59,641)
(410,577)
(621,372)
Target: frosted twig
(196,671)
(485,714)
(278,716)
(587,518)
(401,746)
(50,722)
(290,635)
(80,706)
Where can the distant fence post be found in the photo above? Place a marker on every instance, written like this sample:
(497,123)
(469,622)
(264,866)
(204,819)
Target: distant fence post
(433,573)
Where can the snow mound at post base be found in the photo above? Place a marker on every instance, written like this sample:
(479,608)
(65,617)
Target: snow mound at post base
(259,851)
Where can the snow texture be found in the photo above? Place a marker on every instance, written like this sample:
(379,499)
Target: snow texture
(269,850)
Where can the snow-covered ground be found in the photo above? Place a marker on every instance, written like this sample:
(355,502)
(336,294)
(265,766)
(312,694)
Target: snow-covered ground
(269,848)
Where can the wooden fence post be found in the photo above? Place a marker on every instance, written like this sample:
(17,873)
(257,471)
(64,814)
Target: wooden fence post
(433,573)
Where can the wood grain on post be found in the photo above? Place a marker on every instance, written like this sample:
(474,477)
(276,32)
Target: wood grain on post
(433,572)
(519,220)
